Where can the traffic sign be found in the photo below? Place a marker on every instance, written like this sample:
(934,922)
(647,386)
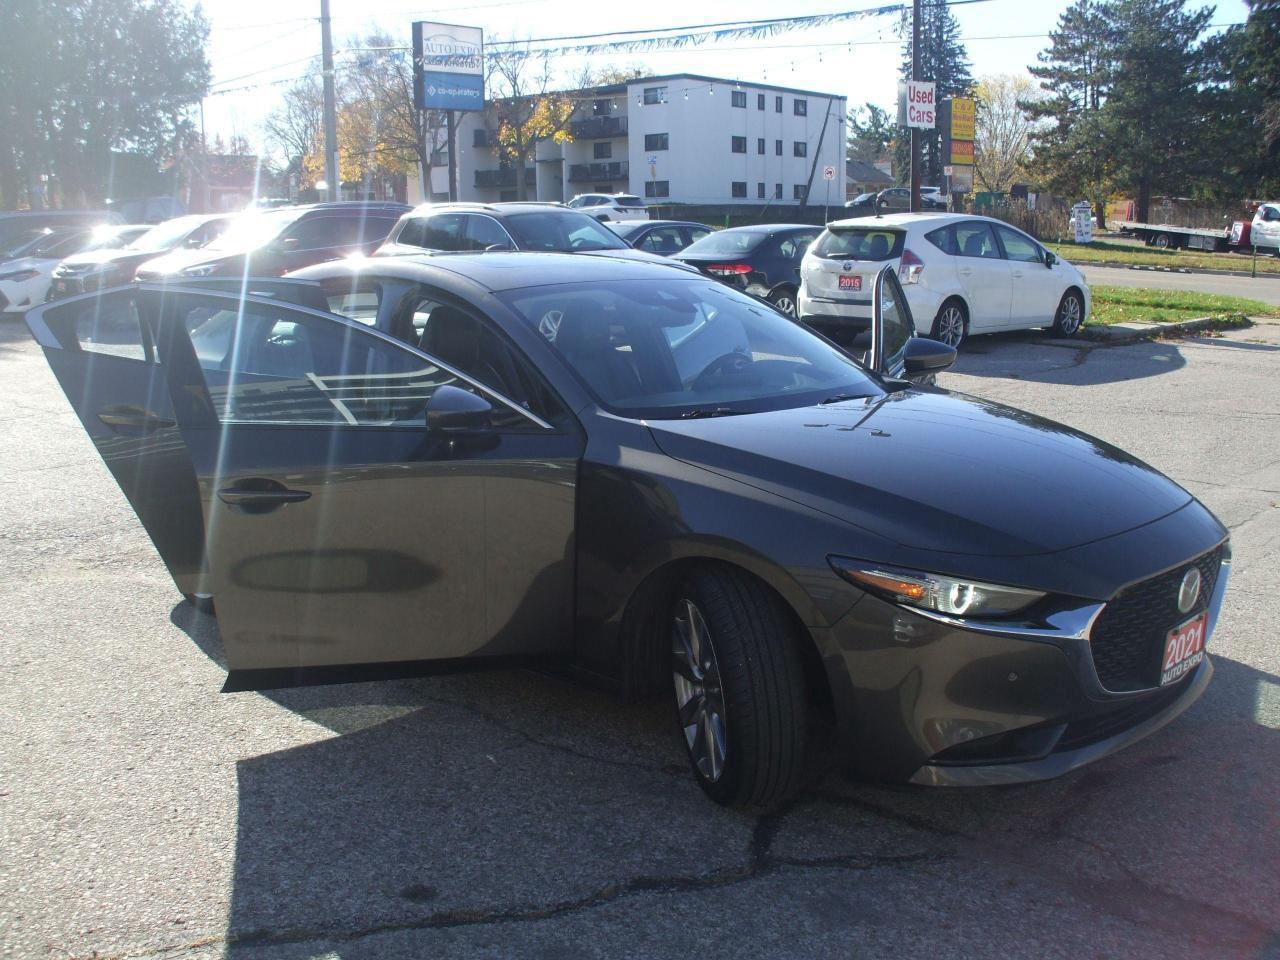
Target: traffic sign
(653,159)
(828,173)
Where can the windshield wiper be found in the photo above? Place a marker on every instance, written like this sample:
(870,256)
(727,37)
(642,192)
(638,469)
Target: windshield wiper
(704,412)
(841,397)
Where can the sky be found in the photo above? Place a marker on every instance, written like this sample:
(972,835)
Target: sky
(256,47)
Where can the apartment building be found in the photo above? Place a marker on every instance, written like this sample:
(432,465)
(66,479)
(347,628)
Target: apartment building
(680,138)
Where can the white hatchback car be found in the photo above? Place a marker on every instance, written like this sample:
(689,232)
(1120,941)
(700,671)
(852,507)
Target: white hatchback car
(962,275)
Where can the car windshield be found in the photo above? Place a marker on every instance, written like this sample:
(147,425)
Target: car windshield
(252,230)
(675,347)
(725,243)
(561,232)
(167,235)
(114,238)
(859,243)
(19,244)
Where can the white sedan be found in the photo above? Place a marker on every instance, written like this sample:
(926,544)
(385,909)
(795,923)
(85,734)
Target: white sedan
(24,282)
(963,275)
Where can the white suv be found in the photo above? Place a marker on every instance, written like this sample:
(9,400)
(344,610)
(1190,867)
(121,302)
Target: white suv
(607,207)
(961,275)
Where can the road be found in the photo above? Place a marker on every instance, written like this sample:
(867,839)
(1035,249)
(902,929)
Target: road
(145,814)
(1264,288)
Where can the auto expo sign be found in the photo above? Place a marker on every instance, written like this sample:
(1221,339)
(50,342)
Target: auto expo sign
(917,104)
(448,67)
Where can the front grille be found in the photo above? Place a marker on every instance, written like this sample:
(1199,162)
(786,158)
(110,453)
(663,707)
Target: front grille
(1081,733)
(1128,637)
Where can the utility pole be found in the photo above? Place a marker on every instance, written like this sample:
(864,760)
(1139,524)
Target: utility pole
(915,133)
(330,107)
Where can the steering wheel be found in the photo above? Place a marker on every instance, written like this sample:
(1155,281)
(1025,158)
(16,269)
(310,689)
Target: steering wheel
(734,363)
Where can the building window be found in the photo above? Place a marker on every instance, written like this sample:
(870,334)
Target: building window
(760,190)
(777,191)
(739,188)
(480,137)
(657,188)
(601,108)
(654,95)
(799,149)
(739,144)
(777,148)
(655,141)
(759,101)
(800,108)
(507,196)
(602,151)
(760,145)
(777,104)
(798,191)
(738,98)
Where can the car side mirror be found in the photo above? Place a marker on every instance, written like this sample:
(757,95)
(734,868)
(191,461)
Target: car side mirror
(454,411)
(927,356)
(1049,258)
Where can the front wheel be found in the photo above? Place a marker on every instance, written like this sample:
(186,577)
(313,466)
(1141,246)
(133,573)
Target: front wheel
(739,689)
(1070,315)
(784,299)
(951,325)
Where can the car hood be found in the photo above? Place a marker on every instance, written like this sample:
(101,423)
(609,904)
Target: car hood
(27,263)
(934,471)
(94,258)
(178,260)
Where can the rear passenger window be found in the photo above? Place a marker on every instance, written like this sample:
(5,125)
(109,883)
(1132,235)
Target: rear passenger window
(944,239)
(794,247)
(358,302)
(975,239)
(444,231)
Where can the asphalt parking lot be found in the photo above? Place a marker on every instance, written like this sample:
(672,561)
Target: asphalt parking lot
(145,814)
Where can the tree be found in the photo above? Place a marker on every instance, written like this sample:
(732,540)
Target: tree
(1002,148)
(1153,110)
(872,138)
(1071,157)
(296,128)
(944,60)
(83,78)
(523,110)
(1248,60)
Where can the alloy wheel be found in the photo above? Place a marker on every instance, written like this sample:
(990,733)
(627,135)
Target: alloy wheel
(699,692)
(786,304)
(1069,315)
(951,326)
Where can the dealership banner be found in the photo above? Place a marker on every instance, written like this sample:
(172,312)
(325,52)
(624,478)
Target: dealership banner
(448,67)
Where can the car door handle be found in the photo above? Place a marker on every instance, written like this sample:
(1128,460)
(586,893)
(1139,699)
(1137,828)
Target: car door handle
(966,271)
(258,495)
(136,418)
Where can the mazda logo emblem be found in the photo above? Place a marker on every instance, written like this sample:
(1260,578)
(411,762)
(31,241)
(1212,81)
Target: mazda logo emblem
(1189,592)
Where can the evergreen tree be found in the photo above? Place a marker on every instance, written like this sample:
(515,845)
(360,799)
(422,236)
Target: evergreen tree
(1249,60)
(944,60)
(1071,156)
(869,139)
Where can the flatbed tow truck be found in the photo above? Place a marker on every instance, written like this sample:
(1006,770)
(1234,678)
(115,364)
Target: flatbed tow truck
(1166,236)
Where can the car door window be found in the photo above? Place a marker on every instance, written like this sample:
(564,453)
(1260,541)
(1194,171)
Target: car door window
(108,325)
(444,231)
(793,247)
(485,232)
(317,233)
(472,346)
(1019,247)
(357,301)
(893,326)
(975,239)
(695,234)
(663,240)
(267,363)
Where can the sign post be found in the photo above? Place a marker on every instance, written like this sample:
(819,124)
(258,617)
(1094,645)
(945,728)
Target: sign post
(959,127)
(828,174)
(448,74)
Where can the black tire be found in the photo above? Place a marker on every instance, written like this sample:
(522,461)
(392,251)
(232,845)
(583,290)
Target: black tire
(784,298)
(1070,315)
(1164,242)
(761,688)
(951,325)
(202,602)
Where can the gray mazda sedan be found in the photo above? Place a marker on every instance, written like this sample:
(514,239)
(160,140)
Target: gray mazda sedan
(401,466)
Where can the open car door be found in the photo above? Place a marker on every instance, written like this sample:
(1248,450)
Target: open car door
(101,350)
(892,326)
(370,510)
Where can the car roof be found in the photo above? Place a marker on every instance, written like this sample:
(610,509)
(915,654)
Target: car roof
(771,227)
(492,209)
(497,271)
(903,219)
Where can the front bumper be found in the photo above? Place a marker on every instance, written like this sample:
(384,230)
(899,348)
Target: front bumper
(936,702)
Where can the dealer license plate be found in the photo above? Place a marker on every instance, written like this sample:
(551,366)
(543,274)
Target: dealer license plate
(848,282)
(1183,649)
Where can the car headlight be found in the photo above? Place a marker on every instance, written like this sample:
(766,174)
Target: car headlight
(202,270)
(932,591)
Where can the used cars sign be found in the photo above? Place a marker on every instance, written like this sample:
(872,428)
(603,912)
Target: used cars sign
(917,104)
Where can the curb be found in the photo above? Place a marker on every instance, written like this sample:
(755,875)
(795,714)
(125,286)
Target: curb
(1128,332)
(1119,265)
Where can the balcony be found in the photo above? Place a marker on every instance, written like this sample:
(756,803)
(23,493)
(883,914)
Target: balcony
(598,128)
(504,177)
(599,172)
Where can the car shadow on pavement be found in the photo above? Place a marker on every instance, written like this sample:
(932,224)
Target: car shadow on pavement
(446,812)
(1035,356)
